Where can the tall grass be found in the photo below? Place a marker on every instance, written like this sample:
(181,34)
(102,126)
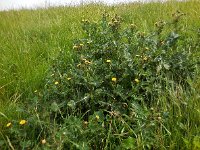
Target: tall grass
(30,41)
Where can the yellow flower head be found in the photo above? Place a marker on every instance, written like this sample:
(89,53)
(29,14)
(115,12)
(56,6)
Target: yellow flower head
(69,78)
(8,124)
(114,79)
(137,80)
(22,122)
(43,141)
(81,45)
(108,61)
(56,83)
(97,117)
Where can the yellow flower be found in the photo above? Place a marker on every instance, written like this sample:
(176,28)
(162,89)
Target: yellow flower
(137,80)
(81,45)
(114,79)
(108,61)
(8,124)
(56,83)
(97,117)
(22,122)
(35,91)
(69,78)
(43,141)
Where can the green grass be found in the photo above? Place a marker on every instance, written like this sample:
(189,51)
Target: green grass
(31,41)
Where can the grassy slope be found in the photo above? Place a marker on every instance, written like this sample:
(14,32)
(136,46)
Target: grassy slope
(30,39)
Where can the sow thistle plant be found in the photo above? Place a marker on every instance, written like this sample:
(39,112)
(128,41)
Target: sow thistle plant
(115,76)
(116,70)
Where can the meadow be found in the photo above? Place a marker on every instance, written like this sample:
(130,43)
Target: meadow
(101,77)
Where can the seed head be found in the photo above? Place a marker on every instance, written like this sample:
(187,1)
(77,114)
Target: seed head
(43,141)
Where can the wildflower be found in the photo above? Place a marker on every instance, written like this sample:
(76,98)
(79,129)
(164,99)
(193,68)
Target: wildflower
(162,42)
(22,122)
(75,47)
(97,117)
(43,141)
(145,58)
(35,91)
(114,79)
(85,124)
(159,118)
(56,83)
(8,124)
(137,80)
(108,61)
(69,78)
(81,45)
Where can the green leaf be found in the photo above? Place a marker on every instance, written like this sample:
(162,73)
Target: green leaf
(25,144)
(128,143)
